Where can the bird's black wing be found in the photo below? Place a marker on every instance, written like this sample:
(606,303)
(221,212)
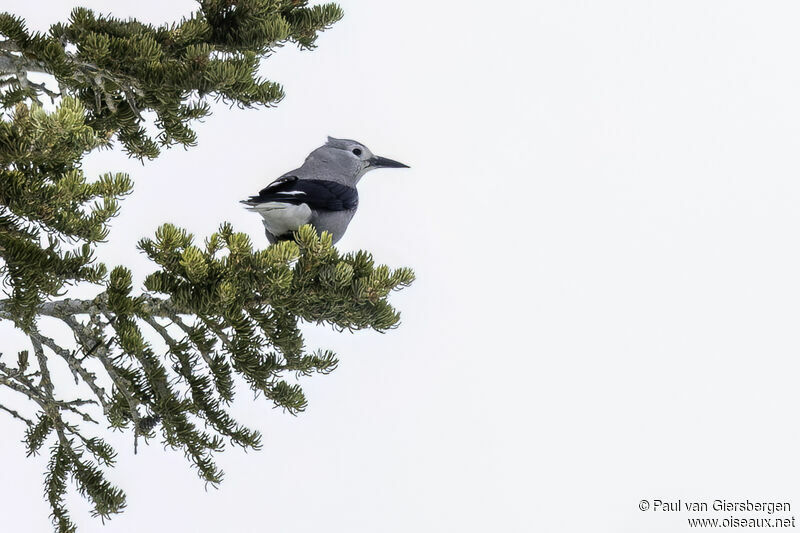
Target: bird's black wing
(317,194)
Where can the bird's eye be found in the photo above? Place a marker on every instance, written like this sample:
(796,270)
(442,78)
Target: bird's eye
(357,151)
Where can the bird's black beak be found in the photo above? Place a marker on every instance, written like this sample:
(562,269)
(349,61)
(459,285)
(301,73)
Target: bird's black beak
(381,162)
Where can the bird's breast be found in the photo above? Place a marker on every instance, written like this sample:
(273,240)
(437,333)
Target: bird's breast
(334,222)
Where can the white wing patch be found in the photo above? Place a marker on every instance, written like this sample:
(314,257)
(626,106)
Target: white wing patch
(281,218)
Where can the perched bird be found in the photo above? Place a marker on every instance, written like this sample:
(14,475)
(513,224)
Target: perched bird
(322,192)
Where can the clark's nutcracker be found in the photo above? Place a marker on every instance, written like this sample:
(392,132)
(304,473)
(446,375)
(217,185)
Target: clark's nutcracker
(322,192)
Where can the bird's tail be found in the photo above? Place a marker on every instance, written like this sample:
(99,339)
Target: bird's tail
(262,206)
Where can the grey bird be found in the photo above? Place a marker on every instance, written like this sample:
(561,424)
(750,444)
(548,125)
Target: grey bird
(322,192)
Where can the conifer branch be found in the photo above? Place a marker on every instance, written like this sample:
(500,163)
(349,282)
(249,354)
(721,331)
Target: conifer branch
(16,414)
(122,385)
(231,309)
(12,379)
(9,46)
(201,347)
(76,366)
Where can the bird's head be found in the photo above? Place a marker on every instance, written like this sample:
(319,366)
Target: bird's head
(350,159)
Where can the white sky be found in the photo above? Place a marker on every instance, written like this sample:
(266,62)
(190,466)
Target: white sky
(602,213)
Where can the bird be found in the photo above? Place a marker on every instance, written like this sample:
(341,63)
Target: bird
(321,192)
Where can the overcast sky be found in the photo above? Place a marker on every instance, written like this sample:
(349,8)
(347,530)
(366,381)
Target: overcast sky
(602,213)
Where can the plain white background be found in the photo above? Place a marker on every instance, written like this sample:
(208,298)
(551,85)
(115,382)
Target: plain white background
(602,211)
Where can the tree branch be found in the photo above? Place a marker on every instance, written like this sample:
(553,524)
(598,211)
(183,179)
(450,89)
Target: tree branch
(16,415)
(205,354)
(9,46)
(133,403)
(88,377)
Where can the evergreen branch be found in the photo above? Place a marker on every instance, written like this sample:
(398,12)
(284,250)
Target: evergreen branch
(11,63)
(16,415)
(42,394)
(220,333)
(247,300)
(43,88)
(122,386)
(204,352)
(12,381)
(9,46)
(46,382)
(245,305)
(119,69)
(76,366)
